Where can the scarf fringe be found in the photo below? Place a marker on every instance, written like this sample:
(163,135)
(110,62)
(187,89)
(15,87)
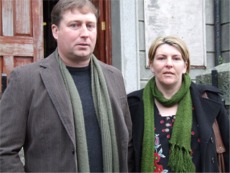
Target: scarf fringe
(180,160)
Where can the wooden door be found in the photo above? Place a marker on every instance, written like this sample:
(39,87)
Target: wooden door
(21,33)
(103,47)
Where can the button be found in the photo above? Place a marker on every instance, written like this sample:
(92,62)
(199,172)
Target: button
(212,140)
(73,151)
(213,160)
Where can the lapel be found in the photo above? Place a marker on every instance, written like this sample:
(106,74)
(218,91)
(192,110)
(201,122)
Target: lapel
(114,91)
(206,110)
(111,80)
(52,78)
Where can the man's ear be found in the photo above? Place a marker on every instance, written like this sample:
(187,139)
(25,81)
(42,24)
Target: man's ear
(54,29)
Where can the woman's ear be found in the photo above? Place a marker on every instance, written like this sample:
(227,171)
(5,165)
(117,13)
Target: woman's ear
(185,67)
(151,66)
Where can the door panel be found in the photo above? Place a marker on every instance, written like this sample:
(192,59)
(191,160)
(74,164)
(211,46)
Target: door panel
(21,33)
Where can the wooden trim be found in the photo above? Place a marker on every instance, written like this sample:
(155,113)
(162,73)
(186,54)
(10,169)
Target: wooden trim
(108,42)
(22,46)
(37,18)
(18,39)
(103,49)
(0,17)
(100,47)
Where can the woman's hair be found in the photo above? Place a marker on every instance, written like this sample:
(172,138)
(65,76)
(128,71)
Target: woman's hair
(84,6)
(176,42)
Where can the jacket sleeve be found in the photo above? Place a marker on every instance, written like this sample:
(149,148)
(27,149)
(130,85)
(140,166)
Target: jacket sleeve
(12,126)
(223,122)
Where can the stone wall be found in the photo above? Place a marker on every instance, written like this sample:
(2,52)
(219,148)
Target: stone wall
(225,30)
(223,78)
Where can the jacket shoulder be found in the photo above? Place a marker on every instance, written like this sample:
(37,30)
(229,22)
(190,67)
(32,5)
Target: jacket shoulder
(110,68)
(207,88)
(135,96)
(213,92)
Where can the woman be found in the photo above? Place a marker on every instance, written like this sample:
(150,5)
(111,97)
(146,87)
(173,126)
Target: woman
(172,122)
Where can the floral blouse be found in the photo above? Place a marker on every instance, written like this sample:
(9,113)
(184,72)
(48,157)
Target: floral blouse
(163,130)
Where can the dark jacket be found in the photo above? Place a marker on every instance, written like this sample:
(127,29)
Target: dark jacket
(206,111)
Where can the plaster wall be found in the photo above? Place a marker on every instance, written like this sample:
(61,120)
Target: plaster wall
(129,43)
(145,73)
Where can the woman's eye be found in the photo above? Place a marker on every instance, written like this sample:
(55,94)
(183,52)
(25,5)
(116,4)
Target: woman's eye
(177,59)
(161,58)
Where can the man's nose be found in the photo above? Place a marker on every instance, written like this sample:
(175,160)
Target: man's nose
(84,31)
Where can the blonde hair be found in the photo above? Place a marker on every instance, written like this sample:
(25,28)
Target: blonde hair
(174,41)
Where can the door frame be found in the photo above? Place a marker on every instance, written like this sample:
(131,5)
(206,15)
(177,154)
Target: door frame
(103,49)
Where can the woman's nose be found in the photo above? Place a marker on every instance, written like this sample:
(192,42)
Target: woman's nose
(169,62)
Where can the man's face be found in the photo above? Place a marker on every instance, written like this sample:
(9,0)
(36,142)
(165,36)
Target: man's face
(76,37)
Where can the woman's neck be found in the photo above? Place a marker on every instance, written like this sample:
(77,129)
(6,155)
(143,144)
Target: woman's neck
(166,111)
(168,90)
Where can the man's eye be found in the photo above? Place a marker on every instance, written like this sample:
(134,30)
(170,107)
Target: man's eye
(90,26)
(74,25)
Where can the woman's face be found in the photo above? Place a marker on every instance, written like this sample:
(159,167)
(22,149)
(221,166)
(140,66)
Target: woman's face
(168,66)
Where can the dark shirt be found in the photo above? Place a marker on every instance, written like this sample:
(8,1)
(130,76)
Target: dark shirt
(163,131)
(82,79)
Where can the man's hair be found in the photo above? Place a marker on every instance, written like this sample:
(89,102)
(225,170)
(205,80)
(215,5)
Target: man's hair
(84,6)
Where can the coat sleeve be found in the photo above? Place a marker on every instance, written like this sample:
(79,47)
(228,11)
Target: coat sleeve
(12,125)
(223,122)
(130,145)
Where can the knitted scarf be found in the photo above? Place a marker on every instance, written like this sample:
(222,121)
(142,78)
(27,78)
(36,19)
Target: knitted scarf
(180,143)
(104,115)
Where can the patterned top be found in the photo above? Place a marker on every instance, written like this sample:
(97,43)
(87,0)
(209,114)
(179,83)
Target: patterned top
(163,130)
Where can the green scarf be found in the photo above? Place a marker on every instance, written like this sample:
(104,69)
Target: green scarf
(104,115)
(180,159)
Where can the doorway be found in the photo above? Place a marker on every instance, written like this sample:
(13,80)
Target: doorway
(103,46)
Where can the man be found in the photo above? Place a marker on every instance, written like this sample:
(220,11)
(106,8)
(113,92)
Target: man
(69,111)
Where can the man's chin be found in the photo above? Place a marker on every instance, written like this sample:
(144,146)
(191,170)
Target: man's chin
(83,54)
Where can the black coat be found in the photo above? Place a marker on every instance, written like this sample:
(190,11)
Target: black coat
(206,111)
